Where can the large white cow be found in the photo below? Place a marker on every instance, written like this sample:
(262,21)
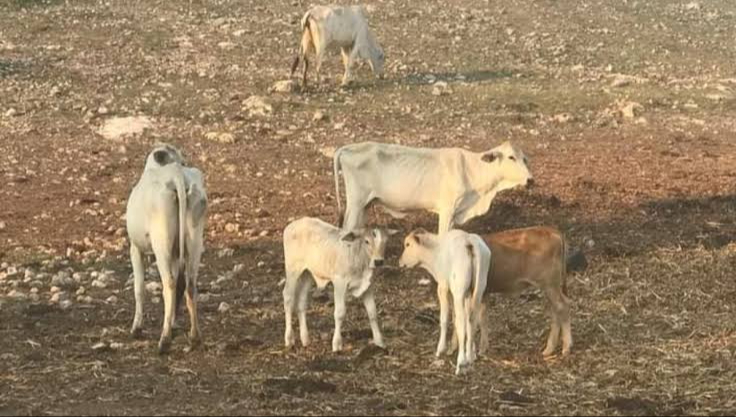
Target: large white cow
(347,259)
(455,183)
(166,216)
(459,263)
(345,27)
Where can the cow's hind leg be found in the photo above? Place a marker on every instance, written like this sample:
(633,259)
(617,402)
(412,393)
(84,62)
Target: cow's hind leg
(554,330)
(304,290)
(290,298)
(195,254)
(136,258)
(163,260)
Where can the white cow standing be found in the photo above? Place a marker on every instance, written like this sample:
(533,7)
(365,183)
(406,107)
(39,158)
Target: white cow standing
(346,27)
(455,183)
(348,260)
(459,263)
(166,216)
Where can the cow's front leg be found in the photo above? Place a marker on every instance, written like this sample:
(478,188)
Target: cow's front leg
(305,288)
(443,295)
(341,286)
(290,300)
(136,258)
(369,301)
(347,62)
(446,221)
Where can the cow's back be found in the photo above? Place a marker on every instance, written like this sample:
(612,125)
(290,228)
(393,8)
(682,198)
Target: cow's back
(521,253)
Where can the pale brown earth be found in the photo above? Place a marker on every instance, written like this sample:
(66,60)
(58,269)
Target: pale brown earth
(646,189)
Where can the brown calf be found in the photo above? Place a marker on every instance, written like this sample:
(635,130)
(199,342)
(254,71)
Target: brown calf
(533,256)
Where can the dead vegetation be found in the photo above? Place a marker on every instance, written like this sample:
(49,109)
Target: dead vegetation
(625,109)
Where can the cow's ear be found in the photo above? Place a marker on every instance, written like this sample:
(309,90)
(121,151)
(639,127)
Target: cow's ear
(491,156)
(416,238)
(161,157)
(392,232)
(349,237)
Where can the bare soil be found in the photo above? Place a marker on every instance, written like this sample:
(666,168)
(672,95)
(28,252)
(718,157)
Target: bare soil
(647,190)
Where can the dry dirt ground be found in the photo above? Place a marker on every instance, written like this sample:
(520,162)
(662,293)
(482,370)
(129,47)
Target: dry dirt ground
(625,109)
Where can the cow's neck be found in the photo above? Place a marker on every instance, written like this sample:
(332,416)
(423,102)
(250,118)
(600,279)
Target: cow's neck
(483,179)
(429,258)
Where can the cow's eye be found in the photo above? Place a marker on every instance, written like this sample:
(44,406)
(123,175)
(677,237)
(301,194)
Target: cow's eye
(513,158)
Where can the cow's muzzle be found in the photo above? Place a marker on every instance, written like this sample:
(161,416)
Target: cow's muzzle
(378,263)
(530,183)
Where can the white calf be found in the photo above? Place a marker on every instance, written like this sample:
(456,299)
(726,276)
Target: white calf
(347,260)
(166,216)
(345,27)
(459,263)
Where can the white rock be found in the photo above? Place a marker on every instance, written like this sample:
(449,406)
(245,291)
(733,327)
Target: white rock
(425,281)
(99,284)
(16,294)
(99,346)
(287,86)
(225,253)
(440,88)
(119,127)
(81,291)
(319,116)
(116,345)
(226,45)
(261,264)
(563,118)
(223,137)
(29,274)
(65,304)
(153,287)
(257,105)
(11,270)
(232,227)
(692,6)
(57,297)
(11,112)
(34,290)
(328,151)
(203,298)
(111,299)
(224,307)
(103,110)
(237,268)
(631,110)
(55,290)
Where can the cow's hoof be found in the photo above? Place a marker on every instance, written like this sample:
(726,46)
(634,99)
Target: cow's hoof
(164,346)
(195,342)
(136,334)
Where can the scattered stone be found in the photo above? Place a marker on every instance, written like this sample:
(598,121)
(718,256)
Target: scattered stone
(116,345)
(119,127)
(261,264)
(226,45)
(11,112)
(99,284)
(339,126)
(263,233)
(111,299)
(153,287)
(328,151)
(203,298)
(34,297)
(425,281)
(563,118)
(287,86)
(319,116)
(257,105)
(81,291)
(100,347)
(225,253)
(3,225)
(103,110)
(57,297)
(16,294)
(440,88)
(232,227)
(621,81)
(692,6)
(55,290)
(84,299)
(220,137)
(224,307)
(65,304)
(631,110)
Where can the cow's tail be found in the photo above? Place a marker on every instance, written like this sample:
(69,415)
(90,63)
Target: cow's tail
(336,172)
(476,294)
(181,196)
(301,51)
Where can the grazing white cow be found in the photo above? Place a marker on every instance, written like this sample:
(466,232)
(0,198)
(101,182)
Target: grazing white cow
(347,259)
(452,182)
(346,27)
(166,216)
(459,263)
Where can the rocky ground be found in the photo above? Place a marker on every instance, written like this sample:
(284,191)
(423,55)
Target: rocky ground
(625,109)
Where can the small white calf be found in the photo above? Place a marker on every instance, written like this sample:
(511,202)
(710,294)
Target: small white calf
(452,182)
(345,27)
(459,263)
(347,259)
(166,216)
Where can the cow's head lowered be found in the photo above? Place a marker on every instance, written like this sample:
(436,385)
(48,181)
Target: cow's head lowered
(164,154)
(372,240)
(510,163)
